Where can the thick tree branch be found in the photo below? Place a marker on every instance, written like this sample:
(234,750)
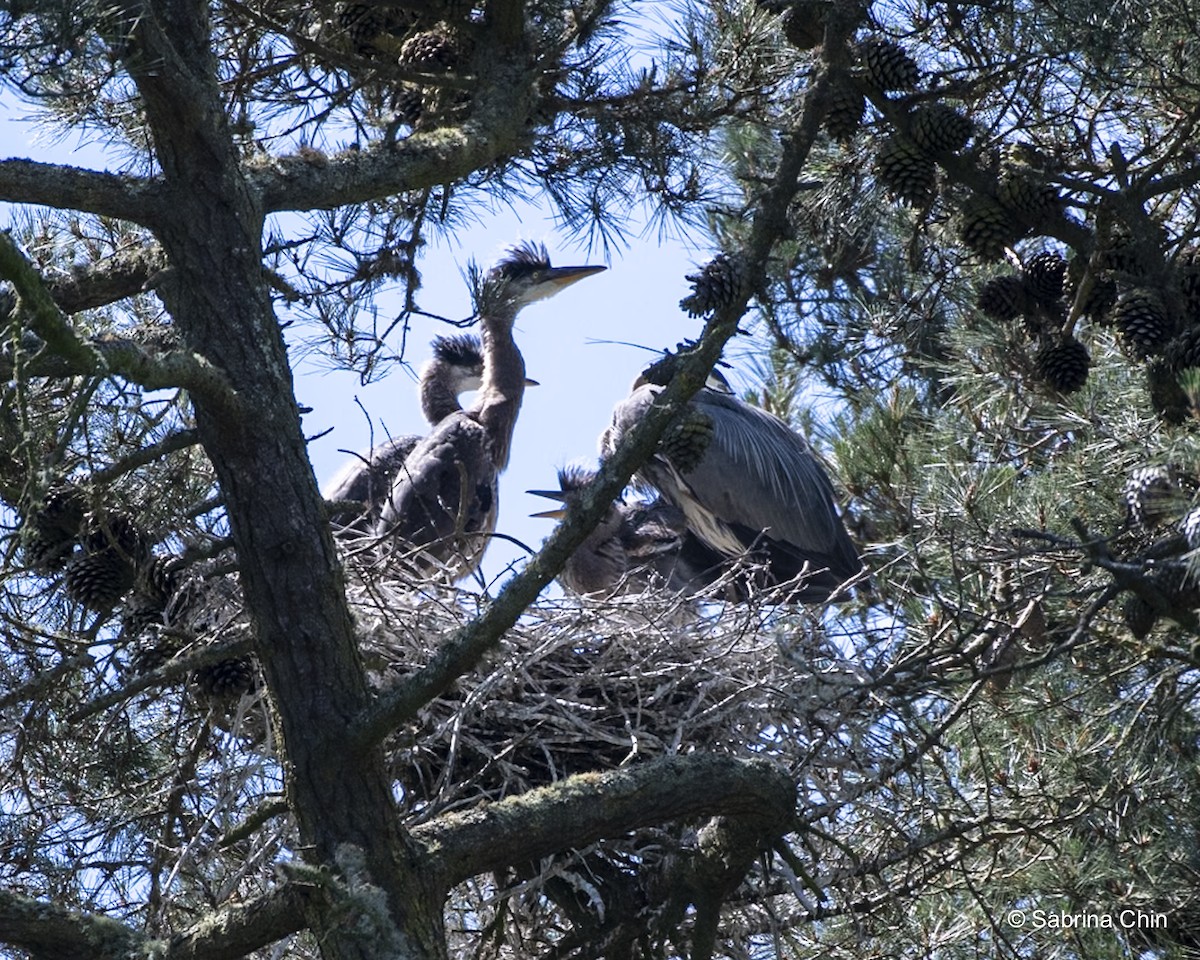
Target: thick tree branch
(588,807)
(49,932)
(87,286)
(499,126)
(75,188)
(118,356)
(41,312)
(236,931)
(315,182)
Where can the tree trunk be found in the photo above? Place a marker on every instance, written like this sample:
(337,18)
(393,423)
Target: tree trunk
(210,227)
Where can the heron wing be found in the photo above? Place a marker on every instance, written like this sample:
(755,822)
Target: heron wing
(367,476)
(627,414)
(444,491)
(760,474)
(756,475)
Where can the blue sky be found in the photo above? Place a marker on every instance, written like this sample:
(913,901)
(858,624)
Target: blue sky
(635,301)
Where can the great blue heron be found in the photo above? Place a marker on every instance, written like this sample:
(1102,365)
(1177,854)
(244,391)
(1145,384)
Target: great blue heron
(635,547)
(754,489)
(455,368)
(443,499)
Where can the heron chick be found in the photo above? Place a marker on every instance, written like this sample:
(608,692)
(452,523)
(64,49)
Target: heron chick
(634,548)
(455,368)
(755,490)
(443,499)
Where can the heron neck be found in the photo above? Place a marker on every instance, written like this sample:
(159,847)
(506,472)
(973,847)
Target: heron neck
(438,399)
(499,398)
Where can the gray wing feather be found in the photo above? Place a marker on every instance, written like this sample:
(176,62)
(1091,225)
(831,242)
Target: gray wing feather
(443,497)
(757,473)
(627,414)
(765,476)
(367,476)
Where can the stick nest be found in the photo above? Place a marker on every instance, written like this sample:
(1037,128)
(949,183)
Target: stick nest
(588,685)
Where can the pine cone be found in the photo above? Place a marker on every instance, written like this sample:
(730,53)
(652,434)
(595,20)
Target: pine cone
(1138,615)
(1101,298)
(846,108)
(61,514)
(155,584)
(905,171)
(940,128)
(98,580)
(159,579)
(1024,192)
(408,104)
(1187,277)
(152,653)
(716,285)
(1178,585)
(804,23)
(1002,298)
(117,532)
(1126,256)
(227,678)
(1152,495)
(369,29)
(139,614)
(54,529)
(1183,353)
(431,51)
(1043,275)
(44,555)
(1063,366)
(1168,398)
(1189,526)
(987,228)
(1142,320)
(887,65)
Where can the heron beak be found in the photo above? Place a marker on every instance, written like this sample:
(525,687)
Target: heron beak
(558,495)
(530,382)
(559,278)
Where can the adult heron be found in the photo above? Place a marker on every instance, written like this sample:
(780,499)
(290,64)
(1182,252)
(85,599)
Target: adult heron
(455,368)
(635,546)
(443,500)
(751,487)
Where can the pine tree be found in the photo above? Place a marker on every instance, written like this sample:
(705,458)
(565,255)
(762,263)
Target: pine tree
(959,241)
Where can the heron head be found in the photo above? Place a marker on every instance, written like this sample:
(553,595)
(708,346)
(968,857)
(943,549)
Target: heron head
(571,480)
(524,276)
(459,359)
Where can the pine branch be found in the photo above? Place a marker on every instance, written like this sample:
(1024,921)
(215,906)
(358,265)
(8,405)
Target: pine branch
(587,807)
(85,287)
(179,440)
(119,356)
(172,670)
(75,188)
(50,932)
(240,929)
